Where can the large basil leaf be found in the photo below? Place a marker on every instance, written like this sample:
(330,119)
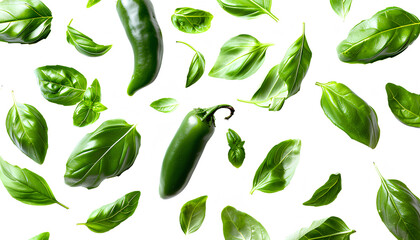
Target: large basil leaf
(388,33)
(197,67)
(284,79)
(404,105)
(247,8)
(111,215)
(84,44)
(399,209)
(238,225)
(192,214)
(24,21)
(327,193)
(42,236)
(239,58)
(341,7)
(92,3)
(26,186)
(104,153)
(332,228)
(28,131)
(190,20)
(236,154)
(350,113)
(90,108)
(165,105)
(278,168)
(61,85)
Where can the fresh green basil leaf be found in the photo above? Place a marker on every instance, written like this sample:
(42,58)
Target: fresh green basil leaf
(332,228)
(404,105)
(42,236)
(247,9)
(98,107)
(24,21)
(399,209)
(350,113)
(327,193)
(165,105)
(236,154)
(341,7)
(28,130)
(192,215)
(239,58)
(84,44)
(111,215)
(284,79)
(197,66)
(104,153)
(92,3)
(61,85)
(278,168)
(26,186)
(190,20)
(388,33)
(238,225)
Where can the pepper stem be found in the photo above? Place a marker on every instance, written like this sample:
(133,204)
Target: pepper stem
(210,111)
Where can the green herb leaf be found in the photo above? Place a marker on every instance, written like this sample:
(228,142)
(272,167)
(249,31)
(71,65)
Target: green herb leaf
(350,113)
(190,20)
(236,153)
(341,7)
(42,236)
(91,3)
(327,193)
(104,153)
(192,214)
(197,67)
(239,58)
(388,33)
(278,168)
(165,105)
(404,105)
(247,9)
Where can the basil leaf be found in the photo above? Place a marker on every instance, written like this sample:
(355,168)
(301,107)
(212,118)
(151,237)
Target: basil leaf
(61,85)
(247,9)
(91,3)
(399,209)
(278,168)
(284,79)
(332,228)
(341,7)
(239,225)
(26,186)
(350,113)
(197,67)
(111,215)
(327,193)
(190,20)
(165,105)
(239,58)
(42,236)
(404,105)
(236,153)
(28,130)
(24,21)
(388,33)
(104,153)
(192,214)
(84,44)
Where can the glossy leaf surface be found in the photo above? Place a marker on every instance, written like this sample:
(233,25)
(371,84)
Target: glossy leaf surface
(350,113)
(192,214)
(388,33)
(165,105)
(278,168)
(341,7)
(404,105)
(42,236)
(327,193)
(104,153)
(190,20)
(92,3)
(236,152)
(197,67)
(247,9)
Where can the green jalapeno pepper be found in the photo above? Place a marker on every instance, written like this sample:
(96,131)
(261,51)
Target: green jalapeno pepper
(186,147)
(143,32)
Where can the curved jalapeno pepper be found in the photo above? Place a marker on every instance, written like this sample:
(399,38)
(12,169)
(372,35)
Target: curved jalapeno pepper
(186,147)
(143,32)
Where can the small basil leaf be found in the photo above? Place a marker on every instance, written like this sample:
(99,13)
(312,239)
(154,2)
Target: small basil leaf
(278,168)
(404,105)
(104,153)
(24,21)
(92,2)
(239,225)
(236,154)
(190,20)
(327,193)
(42,236)
(239,58)
(26,186)
(388,33)
(332,228)
(98,107)
(350,113)
(165,105)
(61,85)
(247,9)
(192,214)
(28,130)
(197,67)
(111,215)
(84,44)
(341,7)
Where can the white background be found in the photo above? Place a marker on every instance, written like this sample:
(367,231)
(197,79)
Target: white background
(325,148)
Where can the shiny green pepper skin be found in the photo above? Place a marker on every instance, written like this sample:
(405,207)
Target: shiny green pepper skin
(186,148)
(143,32)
